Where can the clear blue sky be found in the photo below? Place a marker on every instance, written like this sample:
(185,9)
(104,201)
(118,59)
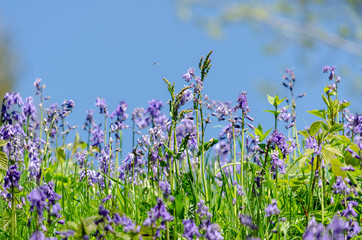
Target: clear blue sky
(86,49)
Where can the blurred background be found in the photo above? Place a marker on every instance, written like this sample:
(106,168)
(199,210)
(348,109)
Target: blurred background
(121,50)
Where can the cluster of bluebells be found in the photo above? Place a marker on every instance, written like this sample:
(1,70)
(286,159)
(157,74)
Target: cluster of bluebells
(311,143)
(335,230)
(106,220)
(157,217)
(206,229)
(287,117)
(272,209)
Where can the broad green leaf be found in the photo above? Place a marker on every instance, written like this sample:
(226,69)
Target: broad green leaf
(336,128)
(3,161)
(318,113)
(304,133)
(3,142)
(302,159)
(328,153)
(271,99)
(344,105)
(314,128)
(336,168)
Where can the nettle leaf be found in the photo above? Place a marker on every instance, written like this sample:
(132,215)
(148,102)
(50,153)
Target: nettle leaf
(3,161)
(328,153)
(318,113)
(349,159)
(304,133)
(271,99)
(3,142)
(314,128)
(336,168)
(5,221)
(344,105)
(302,159)
(336,128)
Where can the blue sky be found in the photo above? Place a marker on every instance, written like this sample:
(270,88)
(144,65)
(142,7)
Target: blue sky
(85,49)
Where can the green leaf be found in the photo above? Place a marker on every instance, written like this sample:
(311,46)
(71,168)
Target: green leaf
(272,111)
(314,128)
(265,135)
(328,153)
(344,105)
(302,159)
(336,168)
(271,99)
(304,133)
(3,161)
(207,146)
(3,142)
(336,128)
(318,113)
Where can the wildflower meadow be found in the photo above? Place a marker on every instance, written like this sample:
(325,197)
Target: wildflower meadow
(247,182)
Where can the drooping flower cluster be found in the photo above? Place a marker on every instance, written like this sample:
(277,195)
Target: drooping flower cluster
(158,213)
(272,209)
(45,198)
(311,143)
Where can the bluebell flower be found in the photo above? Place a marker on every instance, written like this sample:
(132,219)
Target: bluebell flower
(101,103)
(97,136)
(188,76)
(12,177)
(190,229)
(272,209)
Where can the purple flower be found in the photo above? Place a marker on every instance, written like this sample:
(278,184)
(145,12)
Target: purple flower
(243,103)
(350,210)
(311,143)
(101,103)
(67,107)
(272,209)
(37,235)
(336,227)
(12,98)
(348,168)
(81,158)
(314,230)
(203,210)
(29,109)
(284,115)
(127,223)
(7,132)
(186,97)
(12,177)
(276,163)
(156,213)
(213,232)
(33,148)
(65,234)
(190,229)
(154,108)
(188,76)
(37,86)
(247,221)
(42,198)
(165,188)
(89,121)
(223,111)
(278,139)
(109,197)
(339,186)
(120,112)
(97,136)
(240,191)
